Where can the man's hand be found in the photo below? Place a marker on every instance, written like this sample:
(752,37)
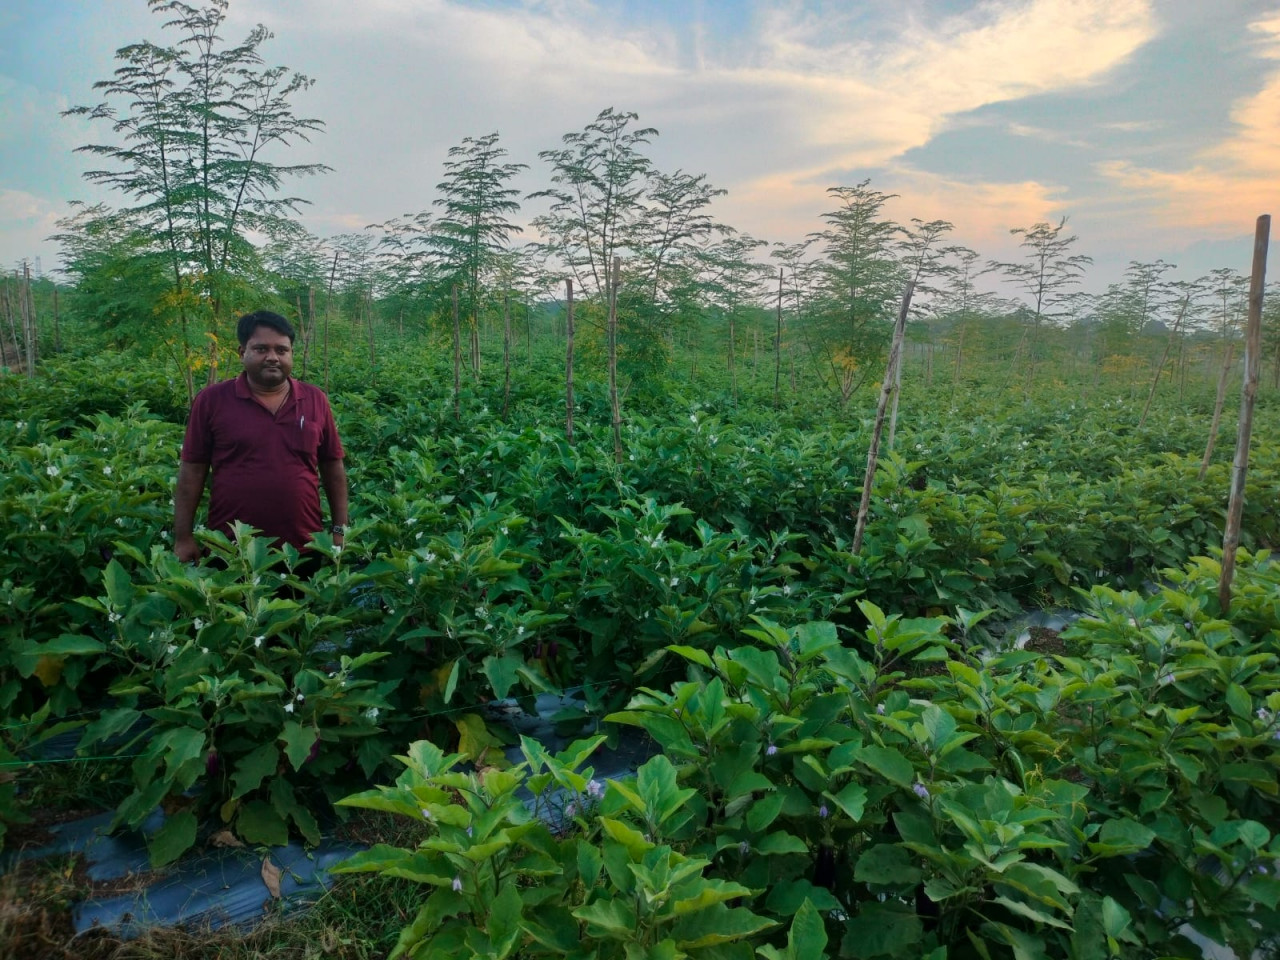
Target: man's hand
(186,549)
(186,497)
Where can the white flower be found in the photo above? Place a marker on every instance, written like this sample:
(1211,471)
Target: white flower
(113,617)
(257,641)
(410,581)
(431,557)
(171,649)
(43,528)
(256,579)
(119,521)
(20,424)
(198,623)
(426,814)
(106,471)
(693,418)
(371,713)
(520,630)
(504,531)
(52,470)
(288,707)
(164,535)
(418,535)
(337,548)
(410,521)
(204,650)
(299,698)
(675,581)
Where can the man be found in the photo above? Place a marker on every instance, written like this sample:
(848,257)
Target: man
(268,439)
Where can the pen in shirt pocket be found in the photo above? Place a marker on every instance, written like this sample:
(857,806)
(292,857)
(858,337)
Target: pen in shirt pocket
(301,421)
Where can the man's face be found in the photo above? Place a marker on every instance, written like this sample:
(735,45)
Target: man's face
(267,358)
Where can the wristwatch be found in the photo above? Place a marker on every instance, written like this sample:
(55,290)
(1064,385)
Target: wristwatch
(338,529)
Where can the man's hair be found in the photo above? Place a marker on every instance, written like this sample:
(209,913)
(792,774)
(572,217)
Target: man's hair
(262,318)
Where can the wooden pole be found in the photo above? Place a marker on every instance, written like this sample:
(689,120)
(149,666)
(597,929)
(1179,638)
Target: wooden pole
(310,333)
(457,359)
(568,363)
(57,332)
(614,406)
(1248,393)
(886,388)
(1223,375)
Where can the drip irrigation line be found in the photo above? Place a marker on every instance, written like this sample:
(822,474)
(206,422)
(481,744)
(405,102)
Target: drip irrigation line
(38,763)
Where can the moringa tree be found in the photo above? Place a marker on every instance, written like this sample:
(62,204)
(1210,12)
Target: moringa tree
(599,179)
(476,201)
(195,128)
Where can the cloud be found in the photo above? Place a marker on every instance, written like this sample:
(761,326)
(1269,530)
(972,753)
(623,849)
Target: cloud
(26,221)
(1228,183)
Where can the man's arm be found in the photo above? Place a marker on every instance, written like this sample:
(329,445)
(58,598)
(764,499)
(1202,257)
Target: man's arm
(190,488)
(333,477)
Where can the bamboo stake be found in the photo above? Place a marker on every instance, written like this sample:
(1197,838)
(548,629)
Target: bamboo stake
(1248,393)
(733,370)
(886,388)
(57,332)
(310,332)
(613,364)
(568,363)
(457,359)
(1217,409)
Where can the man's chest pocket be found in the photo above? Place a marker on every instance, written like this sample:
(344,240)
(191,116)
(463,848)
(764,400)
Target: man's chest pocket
(303,438)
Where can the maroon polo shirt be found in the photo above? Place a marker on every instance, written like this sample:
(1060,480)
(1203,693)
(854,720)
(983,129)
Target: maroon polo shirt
(265,467)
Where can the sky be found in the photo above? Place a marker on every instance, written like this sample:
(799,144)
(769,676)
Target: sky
(1153,125)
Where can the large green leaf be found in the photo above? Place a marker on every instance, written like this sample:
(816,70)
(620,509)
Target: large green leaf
(254,767)
(298,741)
(173,839)
(259,823)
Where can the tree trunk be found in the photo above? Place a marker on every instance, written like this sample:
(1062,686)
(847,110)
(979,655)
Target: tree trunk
(1217,409)
(777,350)
(886,387)
(568,363)
(8,315)
(328,306)
(457,359)
(1155,381)
(1248,392)
(897,392)
(506,354)
(733,370)
(57,331)
(614,406)
(28,320)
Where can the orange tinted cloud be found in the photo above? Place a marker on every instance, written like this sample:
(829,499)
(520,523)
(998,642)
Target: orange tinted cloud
(1228,184)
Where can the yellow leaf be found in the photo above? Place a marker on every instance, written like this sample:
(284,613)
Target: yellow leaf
(49,670)
(225,838)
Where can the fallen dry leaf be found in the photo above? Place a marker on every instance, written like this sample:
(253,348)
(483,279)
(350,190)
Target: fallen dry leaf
(271,875)
(225,838)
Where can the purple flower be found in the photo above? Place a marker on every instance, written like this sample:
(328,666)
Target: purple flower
(457,884)
(770,750)
(595,789)
(744,848)
(880,709)
(920,790)
(823,812)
